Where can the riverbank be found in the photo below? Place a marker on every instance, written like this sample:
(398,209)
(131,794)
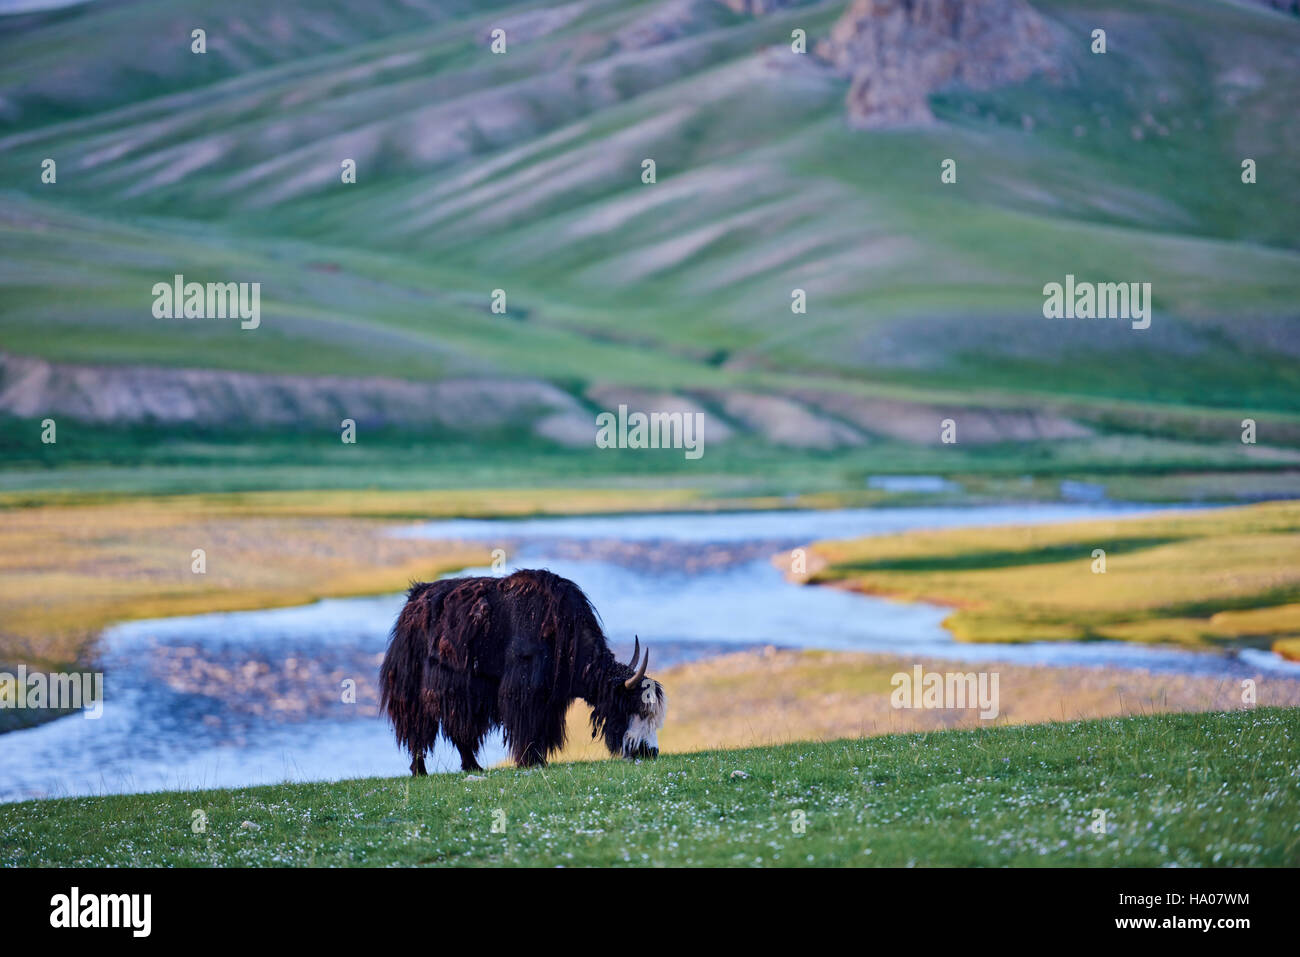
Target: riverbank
(1213,579)
(72,570)
(74,563)
(1161,790)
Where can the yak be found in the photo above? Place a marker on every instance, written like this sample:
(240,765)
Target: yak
(470,654)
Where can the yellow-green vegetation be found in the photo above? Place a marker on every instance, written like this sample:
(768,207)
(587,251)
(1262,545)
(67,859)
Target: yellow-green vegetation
(377,503)
(777,697)
(70,570)
(1229,576)
(402,504)
(1179,790)
(72,562)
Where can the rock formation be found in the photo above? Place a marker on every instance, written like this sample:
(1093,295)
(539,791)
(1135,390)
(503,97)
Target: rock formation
(897,52)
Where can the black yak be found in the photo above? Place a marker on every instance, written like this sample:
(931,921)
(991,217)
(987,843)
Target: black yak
(470,654)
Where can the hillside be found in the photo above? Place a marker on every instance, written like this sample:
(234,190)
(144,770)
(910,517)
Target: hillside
(522,172)
(1177,790)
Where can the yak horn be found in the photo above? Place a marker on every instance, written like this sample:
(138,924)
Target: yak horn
(636,678)
(636,653)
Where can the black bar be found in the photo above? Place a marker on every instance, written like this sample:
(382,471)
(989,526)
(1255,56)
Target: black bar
(336,906)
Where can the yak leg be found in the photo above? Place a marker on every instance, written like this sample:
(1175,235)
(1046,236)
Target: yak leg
(467,742)
(530,714)
(468,725)
(532,756)
(426,734)
(534,728)
(468,757)
(468,739)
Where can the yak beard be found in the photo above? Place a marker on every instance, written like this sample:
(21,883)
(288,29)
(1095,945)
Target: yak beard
(629,723)
(641,739)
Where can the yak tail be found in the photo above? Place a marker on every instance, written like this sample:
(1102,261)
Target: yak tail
(401,682)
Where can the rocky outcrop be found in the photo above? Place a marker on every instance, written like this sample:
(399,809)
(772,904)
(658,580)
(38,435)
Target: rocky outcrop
(34,388)
(609,397)
(31,387)
(921,424)
(898,52)
(777,419)
(785,422)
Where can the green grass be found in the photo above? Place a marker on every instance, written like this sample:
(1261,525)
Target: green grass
(1186,789)
(153,460)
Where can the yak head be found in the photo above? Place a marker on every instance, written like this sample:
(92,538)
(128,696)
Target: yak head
(633,712)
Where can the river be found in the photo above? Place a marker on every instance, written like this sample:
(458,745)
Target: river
(241,698)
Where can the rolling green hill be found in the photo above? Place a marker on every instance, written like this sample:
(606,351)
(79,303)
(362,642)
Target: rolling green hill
(522,172)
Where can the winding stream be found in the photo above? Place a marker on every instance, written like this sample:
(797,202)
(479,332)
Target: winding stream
(221,700)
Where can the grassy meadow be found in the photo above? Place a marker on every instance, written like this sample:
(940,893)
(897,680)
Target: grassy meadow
(1207,462)
(1204,579)
(1187,790)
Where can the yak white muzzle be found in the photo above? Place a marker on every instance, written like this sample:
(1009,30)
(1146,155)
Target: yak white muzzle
(641,740)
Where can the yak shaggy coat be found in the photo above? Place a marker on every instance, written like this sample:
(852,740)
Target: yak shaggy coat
(471,654)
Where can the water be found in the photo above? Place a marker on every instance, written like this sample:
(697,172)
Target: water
(241,698)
